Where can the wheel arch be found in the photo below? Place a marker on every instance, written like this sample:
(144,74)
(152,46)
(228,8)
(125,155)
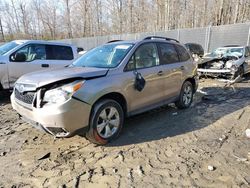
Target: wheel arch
(116,96)
(193,82)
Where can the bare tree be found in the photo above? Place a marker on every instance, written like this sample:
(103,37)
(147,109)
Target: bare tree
(68,18)
(47,19)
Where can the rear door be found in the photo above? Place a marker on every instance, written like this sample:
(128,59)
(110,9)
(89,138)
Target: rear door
(171,69)
(145,61)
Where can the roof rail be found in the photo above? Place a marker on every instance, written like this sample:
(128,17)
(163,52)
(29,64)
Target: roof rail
(232,45)
(113,41)
(157,37)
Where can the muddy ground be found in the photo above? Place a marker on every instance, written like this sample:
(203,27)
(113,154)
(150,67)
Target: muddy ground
(165,147)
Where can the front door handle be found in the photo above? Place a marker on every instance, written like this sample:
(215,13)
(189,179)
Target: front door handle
(45,65)
(182,67)
(160,73)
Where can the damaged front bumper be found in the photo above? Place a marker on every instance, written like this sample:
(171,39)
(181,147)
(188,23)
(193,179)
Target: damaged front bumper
(59,120)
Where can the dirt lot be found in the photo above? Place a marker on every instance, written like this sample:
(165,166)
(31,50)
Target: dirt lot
(160,148)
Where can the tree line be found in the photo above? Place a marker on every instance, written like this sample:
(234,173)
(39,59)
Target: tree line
(57,19)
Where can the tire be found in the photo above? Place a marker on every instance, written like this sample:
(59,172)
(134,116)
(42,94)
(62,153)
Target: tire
(186,96)
(101,130)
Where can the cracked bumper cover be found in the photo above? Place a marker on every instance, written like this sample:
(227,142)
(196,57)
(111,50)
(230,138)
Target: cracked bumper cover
(69,116)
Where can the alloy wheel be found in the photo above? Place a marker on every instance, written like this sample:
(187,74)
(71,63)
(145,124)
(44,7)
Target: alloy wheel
(187,95)
(108,122)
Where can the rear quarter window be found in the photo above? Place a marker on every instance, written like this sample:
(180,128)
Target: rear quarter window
(56,52)
(183,53)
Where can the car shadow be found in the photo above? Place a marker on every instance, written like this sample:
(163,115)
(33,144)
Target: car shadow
(168,121)
(4,97)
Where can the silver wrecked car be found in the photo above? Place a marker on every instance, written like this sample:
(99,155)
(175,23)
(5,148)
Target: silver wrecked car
(228,61)
(105,85)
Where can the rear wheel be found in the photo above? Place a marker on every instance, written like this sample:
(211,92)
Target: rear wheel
(186,95)
(106,121)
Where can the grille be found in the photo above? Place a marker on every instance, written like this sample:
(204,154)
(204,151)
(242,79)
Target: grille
(26,97)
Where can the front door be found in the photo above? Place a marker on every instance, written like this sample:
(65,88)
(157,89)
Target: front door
(146,62)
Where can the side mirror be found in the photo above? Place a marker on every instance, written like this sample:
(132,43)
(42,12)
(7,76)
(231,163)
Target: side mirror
(79,49)
(139,81)
(19,57)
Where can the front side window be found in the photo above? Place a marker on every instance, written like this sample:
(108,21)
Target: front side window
(145,56)
(29,53)
(106,56)
(183,54)
(168,54)
(7,47)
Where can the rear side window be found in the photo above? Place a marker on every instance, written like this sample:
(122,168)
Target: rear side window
(183,54)
(168,53)
(56,52)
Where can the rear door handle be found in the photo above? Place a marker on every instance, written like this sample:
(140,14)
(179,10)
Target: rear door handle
(182,67)
(160,73)
(45,65)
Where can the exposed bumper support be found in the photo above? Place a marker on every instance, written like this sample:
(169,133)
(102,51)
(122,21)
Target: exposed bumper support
(216,72)
(226,71)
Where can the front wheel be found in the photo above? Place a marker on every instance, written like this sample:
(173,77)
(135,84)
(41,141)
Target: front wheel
(106,122)
(186,95)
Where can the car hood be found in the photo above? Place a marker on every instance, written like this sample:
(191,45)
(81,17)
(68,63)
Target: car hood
(43,78)
(229,55)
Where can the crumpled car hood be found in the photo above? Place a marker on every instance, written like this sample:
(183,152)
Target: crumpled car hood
(46,77)
(207,59)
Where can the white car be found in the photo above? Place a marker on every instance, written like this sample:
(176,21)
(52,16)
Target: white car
(228,61)
(24,56)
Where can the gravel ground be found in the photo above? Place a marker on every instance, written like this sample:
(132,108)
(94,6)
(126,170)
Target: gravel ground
(203,146)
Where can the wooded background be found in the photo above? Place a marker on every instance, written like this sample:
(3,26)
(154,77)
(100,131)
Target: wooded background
(58,19)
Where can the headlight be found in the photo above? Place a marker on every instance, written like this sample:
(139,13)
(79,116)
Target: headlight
(63,93)
(229,64)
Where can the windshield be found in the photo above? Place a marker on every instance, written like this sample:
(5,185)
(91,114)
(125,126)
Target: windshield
(220,52)
(7,47)
(106,56)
